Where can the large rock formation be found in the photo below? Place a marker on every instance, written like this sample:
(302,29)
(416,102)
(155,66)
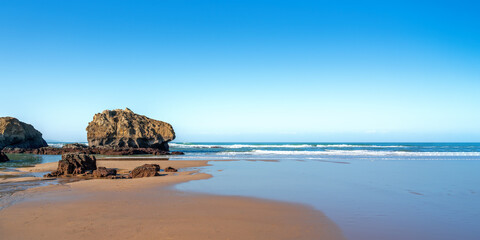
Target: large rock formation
(16,134)
(123,128)
(3,157)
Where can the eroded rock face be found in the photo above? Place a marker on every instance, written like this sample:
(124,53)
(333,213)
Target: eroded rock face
(3,157)
(75,164)
(123,128)
(146,170)
(16,134)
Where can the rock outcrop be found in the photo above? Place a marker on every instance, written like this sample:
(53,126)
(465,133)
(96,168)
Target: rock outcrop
(74,164)
(16,134)
(89,150)
(146,170)
(85,166)
(123,128)
(3,157)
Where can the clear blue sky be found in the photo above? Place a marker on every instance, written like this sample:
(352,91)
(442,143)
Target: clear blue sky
(247,70)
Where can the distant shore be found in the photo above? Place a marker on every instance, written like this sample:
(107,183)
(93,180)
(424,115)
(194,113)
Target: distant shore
(149,208)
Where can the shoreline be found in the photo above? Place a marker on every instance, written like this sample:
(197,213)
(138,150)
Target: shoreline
(123,151)
(149,208)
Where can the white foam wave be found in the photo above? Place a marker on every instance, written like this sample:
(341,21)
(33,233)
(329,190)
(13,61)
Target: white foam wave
(354,153)
(236,146)
(61,144)
(180,145)
(357,146)
(56,145)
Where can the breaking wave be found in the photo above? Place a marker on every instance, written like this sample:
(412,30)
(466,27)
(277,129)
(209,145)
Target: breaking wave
(354,153)
(183,145)
(236,146)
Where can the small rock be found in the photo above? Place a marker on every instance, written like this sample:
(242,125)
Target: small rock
(171,169)
(104,172)
(146,170)
(48,175)
(3,157)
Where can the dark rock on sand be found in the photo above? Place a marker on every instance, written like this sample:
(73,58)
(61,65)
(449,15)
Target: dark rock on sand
(16,134)
(170,169)
(124,128)
(104,172)
(3,157)
(146,170)
(74,164)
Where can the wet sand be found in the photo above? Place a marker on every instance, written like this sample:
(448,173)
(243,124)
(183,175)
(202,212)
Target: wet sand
(149,208)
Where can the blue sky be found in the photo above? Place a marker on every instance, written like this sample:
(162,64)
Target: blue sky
(247,70)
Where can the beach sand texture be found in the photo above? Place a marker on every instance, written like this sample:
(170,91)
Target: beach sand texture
(149,208)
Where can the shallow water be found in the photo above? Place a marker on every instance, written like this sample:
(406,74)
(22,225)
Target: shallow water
(28,160)
(368,196)
(22,160)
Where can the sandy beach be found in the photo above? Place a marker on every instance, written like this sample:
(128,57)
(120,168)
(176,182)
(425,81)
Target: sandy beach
(242,120)
(149,208)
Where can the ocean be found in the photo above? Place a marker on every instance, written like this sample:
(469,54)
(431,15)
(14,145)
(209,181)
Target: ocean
(381,191)
(359,151)
(370,190)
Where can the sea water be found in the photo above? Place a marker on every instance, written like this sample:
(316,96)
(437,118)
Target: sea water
(370,190)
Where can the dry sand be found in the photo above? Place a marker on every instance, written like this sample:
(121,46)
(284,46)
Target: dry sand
(149,208)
